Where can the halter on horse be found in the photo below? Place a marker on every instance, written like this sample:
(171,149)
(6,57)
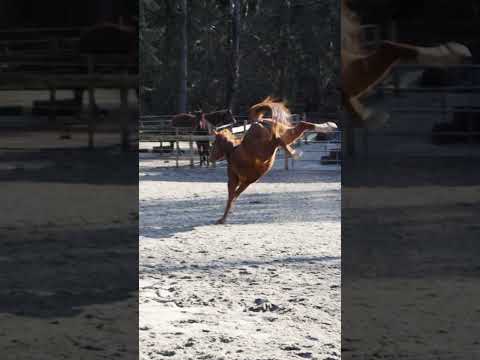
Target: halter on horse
(199,123)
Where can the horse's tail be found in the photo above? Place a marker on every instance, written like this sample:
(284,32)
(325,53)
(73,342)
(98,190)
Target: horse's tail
(278,109)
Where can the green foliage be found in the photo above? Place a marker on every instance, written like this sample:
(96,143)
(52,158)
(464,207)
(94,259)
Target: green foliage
(288,49)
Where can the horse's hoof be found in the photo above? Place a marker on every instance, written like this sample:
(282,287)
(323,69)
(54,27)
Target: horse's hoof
(297,154)
(220,222)
(329,126)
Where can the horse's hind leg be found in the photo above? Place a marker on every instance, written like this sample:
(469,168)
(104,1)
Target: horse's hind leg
(293,134)
(291,151)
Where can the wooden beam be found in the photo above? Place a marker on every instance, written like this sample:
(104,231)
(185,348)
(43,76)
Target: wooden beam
(17,81)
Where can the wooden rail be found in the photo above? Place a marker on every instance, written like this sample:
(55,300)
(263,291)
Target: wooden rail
(18,81)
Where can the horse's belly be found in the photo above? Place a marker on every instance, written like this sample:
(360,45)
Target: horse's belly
(251,167)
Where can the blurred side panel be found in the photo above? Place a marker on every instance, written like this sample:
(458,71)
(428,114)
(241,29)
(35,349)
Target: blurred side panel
(411,181)
(69,179)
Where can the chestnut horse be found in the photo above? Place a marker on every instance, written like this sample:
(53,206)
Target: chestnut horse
(253,156)
(362,70)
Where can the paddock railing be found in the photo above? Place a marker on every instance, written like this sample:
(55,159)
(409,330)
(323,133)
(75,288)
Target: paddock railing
(431,106)
(178,144)
(326,151)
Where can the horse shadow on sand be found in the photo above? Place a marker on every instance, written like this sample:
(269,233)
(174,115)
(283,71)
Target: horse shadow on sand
(219,175)
(164,219)
(105,166)
(329,261)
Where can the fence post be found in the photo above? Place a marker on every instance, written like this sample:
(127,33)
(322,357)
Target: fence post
(339,152)
(348,143)
(124,116)
(191,150)
(91,102)
(52,108)
(286,159)
(178,148)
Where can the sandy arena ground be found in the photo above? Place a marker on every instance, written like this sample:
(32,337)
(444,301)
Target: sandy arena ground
(264,286)
(68,241)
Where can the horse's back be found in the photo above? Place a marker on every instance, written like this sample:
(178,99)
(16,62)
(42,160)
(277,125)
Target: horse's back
(257,142)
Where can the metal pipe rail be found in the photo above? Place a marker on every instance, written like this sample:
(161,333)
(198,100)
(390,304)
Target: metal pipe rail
(157,128)
(331,151)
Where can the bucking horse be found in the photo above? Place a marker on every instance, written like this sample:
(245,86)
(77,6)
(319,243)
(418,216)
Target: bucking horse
(253,156)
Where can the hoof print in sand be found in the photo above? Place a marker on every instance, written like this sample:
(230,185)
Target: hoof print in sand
(263,305)
(167,353)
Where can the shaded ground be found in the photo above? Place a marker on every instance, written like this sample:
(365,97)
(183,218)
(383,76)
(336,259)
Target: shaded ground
(410,250)
(68,259)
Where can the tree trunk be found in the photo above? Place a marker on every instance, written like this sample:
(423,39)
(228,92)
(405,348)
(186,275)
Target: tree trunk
(206,73)
(169,58)
(183,64)
(234,55)
(286,46)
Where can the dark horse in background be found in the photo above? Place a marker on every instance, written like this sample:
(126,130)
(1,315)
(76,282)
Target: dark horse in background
(200,123)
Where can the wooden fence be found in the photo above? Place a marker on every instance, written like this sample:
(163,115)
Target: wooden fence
(158,129)
(48,59)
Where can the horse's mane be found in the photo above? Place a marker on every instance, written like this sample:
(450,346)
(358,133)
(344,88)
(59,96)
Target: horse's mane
(228,136)
(279,110)
(226,141)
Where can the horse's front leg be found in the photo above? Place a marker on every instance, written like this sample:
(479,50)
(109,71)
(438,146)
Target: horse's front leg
(232,186)
(201,154)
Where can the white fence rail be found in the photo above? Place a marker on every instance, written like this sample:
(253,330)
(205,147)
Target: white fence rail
(181,146)
(460,93)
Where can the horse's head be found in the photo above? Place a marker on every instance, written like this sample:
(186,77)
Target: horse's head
(223,145)
(228,117)
(221,117)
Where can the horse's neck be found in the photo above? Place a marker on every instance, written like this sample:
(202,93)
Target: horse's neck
(227,147)
(214,117)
